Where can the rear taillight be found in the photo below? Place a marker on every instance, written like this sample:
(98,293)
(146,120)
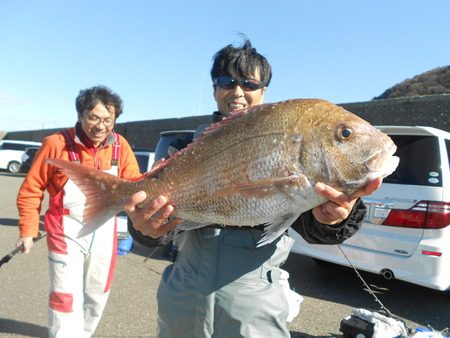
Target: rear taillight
(423,215)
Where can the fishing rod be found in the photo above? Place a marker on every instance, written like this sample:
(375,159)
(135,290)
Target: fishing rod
(8,257)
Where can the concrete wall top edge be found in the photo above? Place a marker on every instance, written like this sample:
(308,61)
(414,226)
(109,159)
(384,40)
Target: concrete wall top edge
(430,110)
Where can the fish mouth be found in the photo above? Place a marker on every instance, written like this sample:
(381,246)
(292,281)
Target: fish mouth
(383,163)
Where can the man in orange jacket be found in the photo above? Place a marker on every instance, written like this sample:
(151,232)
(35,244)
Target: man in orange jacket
(81,269)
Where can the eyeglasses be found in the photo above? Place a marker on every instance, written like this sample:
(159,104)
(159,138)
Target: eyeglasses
(227,82)
(95,120)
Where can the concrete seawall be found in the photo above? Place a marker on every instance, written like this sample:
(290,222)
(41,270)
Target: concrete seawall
(431,110)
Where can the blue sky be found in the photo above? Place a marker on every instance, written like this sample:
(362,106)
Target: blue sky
(157,54)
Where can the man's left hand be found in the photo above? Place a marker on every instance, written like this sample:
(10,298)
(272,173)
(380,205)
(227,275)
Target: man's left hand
(340,205)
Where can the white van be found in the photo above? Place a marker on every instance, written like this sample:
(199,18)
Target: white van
(11,152)
(145,159)
(406,233)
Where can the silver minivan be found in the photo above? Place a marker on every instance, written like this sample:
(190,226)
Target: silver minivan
(145,159)
(406,233)
(11,152)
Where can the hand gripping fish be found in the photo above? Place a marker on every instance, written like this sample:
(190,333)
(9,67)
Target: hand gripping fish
(256,166)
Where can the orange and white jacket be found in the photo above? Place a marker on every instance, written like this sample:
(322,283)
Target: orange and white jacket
(43,176)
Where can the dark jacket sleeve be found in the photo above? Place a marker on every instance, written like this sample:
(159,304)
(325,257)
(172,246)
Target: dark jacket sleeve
(315,232)
(147,240)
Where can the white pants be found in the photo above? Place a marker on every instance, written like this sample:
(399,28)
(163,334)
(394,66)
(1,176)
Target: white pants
(80,280)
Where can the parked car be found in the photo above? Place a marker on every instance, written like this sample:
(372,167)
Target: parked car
(27,158)
(406,233)
(167,146)
(145,159)
(171,141)
(11,152)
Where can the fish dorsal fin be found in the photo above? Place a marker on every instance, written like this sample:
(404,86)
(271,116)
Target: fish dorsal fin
(211,129)
(227,120)
(214,127)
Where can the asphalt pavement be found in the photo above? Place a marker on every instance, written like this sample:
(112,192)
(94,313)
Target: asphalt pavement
(330,292)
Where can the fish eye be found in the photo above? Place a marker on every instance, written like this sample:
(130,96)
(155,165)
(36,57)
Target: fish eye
(344,133)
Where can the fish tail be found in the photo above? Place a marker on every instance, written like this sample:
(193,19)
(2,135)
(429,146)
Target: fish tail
(105,193)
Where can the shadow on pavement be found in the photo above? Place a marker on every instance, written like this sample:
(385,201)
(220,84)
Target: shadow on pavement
(20,328)
(14,221)
(9,221)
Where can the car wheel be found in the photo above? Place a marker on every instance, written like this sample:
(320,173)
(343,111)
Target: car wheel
(14,167)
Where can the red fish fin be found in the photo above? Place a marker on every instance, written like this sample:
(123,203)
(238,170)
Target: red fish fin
(260,109)
(99,189)
(266,187)
(228,119)
(160,165)
(211,129)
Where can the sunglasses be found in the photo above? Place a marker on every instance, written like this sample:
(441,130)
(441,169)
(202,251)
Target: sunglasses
(227,82)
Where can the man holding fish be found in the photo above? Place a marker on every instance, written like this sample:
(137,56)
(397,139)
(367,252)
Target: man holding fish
(225,281)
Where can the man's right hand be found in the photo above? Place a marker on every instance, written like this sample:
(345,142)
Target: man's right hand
(152,220)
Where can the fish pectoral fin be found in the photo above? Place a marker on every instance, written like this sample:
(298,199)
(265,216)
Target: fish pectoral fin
(275,229)
(96,220)
(186,225)
(265,187)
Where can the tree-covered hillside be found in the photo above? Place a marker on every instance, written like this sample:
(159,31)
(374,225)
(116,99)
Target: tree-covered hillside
(435,81)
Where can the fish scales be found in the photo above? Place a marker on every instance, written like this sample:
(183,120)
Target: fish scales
(237,155)
(257,166)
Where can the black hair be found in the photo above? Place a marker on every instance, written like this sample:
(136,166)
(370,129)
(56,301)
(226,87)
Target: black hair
(87,99)
(241,62)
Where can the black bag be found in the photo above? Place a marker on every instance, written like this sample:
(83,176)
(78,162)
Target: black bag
(355,327)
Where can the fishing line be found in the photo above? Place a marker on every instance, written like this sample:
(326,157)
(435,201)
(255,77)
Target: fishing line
(369,289)
(151,253)
(384,308)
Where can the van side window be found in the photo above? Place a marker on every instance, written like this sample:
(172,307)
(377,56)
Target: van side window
(13,146)
(142,162)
